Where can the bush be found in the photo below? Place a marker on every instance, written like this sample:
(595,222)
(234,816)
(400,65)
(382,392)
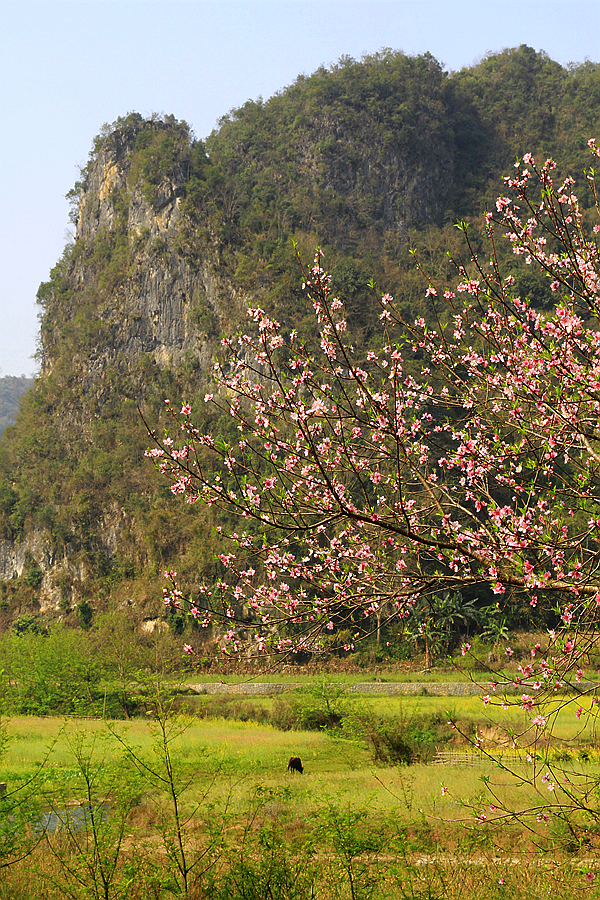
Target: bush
(220,707)
(397,740)
(85,613)
(323,706)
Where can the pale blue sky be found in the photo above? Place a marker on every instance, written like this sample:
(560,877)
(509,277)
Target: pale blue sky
(68,67)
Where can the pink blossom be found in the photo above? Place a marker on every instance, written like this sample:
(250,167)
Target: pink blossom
(318,408)
(369,483)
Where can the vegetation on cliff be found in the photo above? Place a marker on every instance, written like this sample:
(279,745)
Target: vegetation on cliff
(367,158)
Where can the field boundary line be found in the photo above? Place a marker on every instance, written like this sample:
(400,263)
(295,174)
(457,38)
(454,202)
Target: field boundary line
(381,688)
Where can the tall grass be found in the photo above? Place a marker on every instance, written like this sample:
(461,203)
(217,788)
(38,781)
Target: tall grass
(243,755)
(345,828)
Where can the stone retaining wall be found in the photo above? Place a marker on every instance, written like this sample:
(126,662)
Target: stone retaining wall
(385,688)
(245,687)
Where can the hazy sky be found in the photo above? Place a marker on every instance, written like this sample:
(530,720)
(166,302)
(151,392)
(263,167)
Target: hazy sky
(69,67)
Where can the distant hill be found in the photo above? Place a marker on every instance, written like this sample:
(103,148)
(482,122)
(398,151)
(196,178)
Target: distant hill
(174,236)
(12,389)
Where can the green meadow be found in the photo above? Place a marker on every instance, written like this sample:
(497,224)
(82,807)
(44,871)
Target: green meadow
(195,800)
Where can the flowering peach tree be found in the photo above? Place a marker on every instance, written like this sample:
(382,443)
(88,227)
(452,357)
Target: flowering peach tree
(458,452)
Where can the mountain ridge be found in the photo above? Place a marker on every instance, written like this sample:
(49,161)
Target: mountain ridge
(175,236)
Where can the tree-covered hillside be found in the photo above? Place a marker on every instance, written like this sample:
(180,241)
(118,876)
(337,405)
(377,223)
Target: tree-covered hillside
(368,159)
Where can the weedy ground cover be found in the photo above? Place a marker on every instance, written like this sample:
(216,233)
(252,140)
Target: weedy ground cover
(245,828)
(236,733)
(234,756)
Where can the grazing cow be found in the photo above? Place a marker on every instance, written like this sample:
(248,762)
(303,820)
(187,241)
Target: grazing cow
(295,765)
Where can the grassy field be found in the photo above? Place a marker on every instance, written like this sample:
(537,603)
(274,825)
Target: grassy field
(212,795)
(221,742)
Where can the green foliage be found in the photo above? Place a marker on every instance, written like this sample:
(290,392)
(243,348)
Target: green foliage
(399,740)
(330,156)
(85,613)
(354,841)
(89,842)
(163,159)
(321,706)
(340,831)
(321,152)
(17,810)
(26,624)
(32,573)
(49,673)
(169,782)
(266,865)
(438,622)
(100,669)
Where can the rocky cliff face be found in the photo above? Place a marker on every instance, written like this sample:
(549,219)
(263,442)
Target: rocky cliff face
(132,313)
(411,184)
(122,307)
(154,302)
